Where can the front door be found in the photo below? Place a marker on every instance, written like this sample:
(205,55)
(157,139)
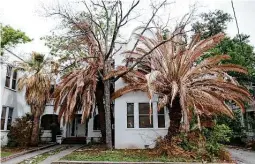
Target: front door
(76,128)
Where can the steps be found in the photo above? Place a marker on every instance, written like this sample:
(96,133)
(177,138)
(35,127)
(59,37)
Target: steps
(74,140)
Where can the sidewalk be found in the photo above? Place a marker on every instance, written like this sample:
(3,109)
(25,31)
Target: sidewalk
(61,154)
(29,155)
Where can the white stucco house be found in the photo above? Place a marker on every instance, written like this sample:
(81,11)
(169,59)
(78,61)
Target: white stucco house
(132,128)
(13,105)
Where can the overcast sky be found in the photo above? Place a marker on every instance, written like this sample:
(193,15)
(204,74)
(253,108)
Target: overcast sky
(24,15)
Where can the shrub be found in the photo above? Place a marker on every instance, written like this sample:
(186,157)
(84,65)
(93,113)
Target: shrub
(215,137)
(20,132)
(235,125)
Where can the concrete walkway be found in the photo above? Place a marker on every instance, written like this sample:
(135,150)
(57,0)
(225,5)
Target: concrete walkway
(61,154)
(242,156)
(48,160)
(29,155)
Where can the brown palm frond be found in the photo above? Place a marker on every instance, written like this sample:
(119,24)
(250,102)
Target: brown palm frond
(76,92)
(127,89)
(119,71)
(180,70)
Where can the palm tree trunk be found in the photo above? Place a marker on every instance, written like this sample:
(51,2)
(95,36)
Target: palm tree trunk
(175,119)
(35,131)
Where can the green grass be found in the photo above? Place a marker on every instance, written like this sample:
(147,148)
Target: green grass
(5,154)
(120,155)
(39,158)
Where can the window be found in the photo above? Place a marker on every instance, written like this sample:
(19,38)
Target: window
(161,118)
(250,117)
(3,118)
(130,115)
(11,78)
(96,123)
(6,118)
(14,80)
(8,76)
(144,116)
(9,119)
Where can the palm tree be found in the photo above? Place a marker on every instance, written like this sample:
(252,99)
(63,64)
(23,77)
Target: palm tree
(83,88)
(37,83)
(184,80)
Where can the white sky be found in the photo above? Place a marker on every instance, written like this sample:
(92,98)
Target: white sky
(24,15)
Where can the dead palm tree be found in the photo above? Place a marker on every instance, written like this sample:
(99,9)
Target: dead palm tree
(80,89)
(36,81)
(185,81)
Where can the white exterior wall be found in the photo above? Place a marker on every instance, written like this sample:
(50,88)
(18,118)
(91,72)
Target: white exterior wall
(11,98)
(16,99)
(135,138)
(95,134)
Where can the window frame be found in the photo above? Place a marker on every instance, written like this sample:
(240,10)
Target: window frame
(14,80)
(160,114)
(6,121)
(130,115)
(9,74)
(148,115)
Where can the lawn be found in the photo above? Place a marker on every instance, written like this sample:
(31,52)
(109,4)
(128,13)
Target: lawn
(5,154)
(100,154)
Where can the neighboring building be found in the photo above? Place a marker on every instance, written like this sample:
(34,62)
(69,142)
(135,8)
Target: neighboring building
(13,105)
(249,117)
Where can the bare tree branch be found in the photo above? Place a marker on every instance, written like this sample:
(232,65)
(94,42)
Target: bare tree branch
(148,23)
(146,54)
(117,27)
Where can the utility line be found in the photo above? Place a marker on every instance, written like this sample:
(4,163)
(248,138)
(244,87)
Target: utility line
(238,31)
(14,55)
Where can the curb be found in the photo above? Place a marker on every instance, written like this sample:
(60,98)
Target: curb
(107,162)
(26,152)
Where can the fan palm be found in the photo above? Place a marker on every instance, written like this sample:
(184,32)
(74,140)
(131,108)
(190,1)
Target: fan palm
(184,80)
(37,83)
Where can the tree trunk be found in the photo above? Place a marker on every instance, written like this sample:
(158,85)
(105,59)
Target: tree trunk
(35,131)
(175,119)
(107,96)
(100,106)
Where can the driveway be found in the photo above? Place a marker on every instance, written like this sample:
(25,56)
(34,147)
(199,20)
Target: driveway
(242,156)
